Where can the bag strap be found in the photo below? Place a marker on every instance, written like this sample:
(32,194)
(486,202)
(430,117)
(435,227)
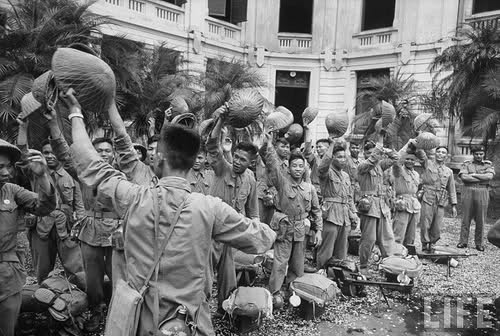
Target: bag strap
(167,235)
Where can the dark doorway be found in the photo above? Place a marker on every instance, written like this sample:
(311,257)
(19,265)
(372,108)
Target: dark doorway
(485,6)
(296,16)
(378,14)
(292,92)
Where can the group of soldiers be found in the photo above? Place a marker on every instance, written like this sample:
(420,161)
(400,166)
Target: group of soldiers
(119,199)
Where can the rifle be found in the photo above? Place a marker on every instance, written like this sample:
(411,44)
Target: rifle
(447,256)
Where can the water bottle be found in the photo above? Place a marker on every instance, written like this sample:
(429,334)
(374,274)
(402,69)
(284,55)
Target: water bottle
(176,326)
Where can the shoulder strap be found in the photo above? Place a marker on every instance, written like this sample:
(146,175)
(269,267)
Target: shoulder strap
(167,235)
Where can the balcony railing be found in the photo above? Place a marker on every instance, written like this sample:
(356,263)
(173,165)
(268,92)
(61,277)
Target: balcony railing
(292,42)
(224,31)
(375,38)
(152,13)
(492,20)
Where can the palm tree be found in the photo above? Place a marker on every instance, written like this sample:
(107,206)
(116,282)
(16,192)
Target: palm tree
(399,90)
(220,78)
(459,69)
(30,32)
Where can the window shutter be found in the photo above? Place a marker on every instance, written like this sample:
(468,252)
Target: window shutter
(217,7)
(239,11)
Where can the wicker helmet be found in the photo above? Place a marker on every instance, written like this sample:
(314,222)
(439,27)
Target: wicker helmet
(426,141)
(179,106)
(294,133)
(279,119)
(186,119)
(337,123)
(44,88)
(244,107)
(388,113)
(309,114)
(28,105)
(206,126)
(426,123)
(90,77)
(10,150)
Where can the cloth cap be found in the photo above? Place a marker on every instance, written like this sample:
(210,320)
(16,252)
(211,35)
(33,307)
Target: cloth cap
(143,150)
(10,150)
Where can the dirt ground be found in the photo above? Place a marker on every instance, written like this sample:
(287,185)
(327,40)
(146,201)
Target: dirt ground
(430,310)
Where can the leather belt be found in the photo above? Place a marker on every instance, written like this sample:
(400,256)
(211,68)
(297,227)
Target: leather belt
(340,200)
(297,218)
(99,214)
(476,185)
(9,257)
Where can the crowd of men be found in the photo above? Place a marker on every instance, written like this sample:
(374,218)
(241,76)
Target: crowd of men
(119,199)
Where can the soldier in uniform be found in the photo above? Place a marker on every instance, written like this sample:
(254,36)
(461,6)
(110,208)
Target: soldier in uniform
(96,230)
(14,198)
(476,176)
(199,178)
(351,168)
(180,280)
(49,236)
(296,200)
(375,215)
(235,184)
(314,159)
(405,181)
(338,209)
(438,189)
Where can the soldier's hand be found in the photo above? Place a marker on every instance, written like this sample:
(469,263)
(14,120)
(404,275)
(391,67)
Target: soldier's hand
(220,112)
(70,100)
(22,123)
(50,115)
(318,239)
(454,211)
(36,162)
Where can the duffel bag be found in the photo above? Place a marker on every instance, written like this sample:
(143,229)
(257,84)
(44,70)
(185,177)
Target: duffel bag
(400,250)
(64,298)
(249,301)
(315,288)
(346,265)
(396,265)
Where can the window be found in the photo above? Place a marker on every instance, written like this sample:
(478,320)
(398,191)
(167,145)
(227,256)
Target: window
(363,84)
(296,16)
(176,2)
(233,11)
(485,6)
(378,14)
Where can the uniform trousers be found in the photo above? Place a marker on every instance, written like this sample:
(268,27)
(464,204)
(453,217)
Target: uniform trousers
(223,260)
(286,253)
(404,226)
(431,219)
(45,250)
(9,311)
(97,261)
(474,206)
(375,230)
(334,243)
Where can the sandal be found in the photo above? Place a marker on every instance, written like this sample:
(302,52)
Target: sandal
(50,298)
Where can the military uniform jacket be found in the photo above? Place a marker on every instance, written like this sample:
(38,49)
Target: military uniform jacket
(100,221)
(405,183)
(474,167)
(338,205)
(372,184)
(201,180)
(296,200)
(438,184)
(181,274)
(237,190)
(13,199)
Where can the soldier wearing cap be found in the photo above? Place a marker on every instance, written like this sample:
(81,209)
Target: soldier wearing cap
(14,198)
(476,176)
(405,181)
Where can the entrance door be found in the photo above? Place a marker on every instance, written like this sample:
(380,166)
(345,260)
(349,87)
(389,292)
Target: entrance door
(292,92)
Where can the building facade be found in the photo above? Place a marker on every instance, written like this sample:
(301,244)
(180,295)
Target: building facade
(311,52)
